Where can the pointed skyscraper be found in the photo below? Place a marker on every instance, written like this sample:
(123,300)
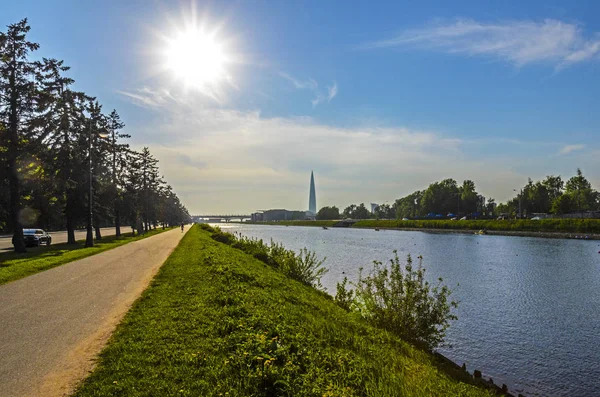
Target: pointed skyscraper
(312,200)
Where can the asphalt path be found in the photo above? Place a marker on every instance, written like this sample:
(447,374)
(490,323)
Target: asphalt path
(61,237)
(54,323)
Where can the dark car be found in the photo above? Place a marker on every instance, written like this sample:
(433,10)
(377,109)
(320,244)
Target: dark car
(36,237)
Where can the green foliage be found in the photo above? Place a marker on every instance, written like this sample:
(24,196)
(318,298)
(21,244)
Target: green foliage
(357,212)
(408,206)
(328,213)
(398,298)
(206,226)
(302,266)
(49,134)
(441,197)
(563,204)
(385,211)
(544,225)
(551,195)
(216,321)
(344,296)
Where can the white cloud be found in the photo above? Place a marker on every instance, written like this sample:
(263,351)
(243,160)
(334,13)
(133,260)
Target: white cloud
(231,160)
(313,86)
(221,159)
(571,148)
(332,91)
(310,84)
(518,42)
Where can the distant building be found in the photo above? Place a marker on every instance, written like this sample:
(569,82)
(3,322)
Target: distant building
(275,215)
(312,199)
(374,207)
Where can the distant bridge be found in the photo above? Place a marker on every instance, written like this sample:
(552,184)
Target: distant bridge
(219,218)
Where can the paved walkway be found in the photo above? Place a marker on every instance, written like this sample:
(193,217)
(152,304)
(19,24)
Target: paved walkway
(54,323)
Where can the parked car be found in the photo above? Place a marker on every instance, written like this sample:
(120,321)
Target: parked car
(405,219)
(536,218)
(36,237)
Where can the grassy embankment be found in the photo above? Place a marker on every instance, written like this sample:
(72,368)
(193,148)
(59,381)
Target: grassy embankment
(525,225)
(521,225)
(14,266)
(216,321)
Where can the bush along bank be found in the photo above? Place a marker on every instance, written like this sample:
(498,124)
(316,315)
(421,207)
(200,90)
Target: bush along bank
(217,321)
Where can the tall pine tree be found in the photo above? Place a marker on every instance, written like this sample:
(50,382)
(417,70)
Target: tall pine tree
(17,101)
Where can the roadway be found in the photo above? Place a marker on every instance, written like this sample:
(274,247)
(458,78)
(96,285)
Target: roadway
(54,323)
(61,237)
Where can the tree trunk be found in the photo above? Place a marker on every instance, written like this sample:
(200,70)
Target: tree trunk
(98,234)
(15,197)
(70,224)
(13,177)
(117,221)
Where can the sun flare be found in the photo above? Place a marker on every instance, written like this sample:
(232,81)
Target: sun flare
(196,58)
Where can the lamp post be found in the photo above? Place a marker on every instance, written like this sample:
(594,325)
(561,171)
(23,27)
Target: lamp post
(520,196)
(415,208)
(89,238)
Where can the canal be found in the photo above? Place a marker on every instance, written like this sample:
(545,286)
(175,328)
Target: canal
(529,308)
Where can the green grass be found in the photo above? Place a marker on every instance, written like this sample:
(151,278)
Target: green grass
(218,322)
(544,225)
(14,266)
(520,225)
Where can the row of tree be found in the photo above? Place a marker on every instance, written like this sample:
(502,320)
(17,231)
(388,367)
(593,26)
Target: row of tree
(59,153)
(552,195)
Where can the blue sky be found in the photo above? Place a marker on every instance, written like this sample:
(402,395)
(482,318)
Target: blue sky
(379,99)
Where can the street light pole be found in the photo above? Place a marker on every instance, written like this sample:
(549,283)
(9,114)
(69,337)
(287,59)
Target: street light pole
(89,239)
(520,195)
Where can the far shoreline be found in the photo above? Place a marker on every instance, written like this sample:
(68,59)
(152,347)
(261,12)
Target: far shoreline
(515,233)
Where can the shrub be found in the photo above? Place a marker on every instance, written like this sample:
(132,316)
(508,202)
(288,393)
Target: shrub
(207,227)
(304,267)
(344,296)
(398,298)
(280,254)
(223,237)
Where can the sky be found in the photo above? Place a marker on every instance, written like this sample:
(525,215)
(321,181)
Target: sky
(379,99)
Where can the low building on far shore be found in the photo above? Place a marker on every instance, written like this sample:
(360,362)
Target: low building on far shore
(275,215)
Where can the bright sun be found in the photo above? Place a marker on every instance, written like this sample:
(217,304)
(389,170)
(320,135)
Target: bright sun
(196,58)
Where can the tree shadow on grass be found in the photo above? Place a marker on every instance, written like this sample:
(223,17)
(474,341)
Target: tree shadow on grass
(8,255)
